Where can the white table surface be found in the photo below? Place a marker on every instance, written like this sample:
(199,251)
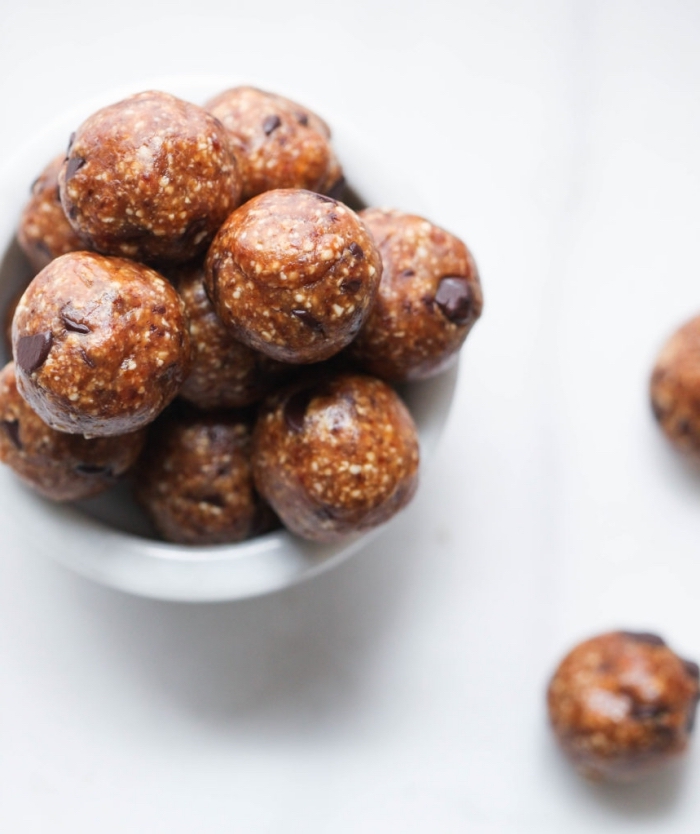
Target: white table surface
(403,691)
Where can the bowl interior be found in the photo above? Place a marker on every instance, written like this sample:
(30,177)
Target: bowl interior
(108,538)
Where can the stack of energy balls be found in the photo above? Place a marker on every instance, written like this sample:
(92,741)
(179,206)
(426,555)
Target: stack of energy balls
(205,254)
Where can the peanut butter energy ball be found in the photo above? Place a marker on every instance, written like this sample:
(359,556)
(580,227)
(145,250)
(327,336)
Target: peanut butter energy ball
(280,144)
(225,373)
(675,389)
(150,178)
(195,479)
(293,274)
(622,704)
(44,232)
(428,300)
(101,345)
(335,456)
(63,467)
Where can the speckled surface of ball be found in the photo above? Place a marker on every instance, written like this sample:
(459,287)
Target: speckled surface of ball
(101,345)
(429,298)
(293,274)
(675,389)
(225,373)
(62,467)
(44,232)
(151,177)
(279,143)
(335,456)
(622,704)
(195,479)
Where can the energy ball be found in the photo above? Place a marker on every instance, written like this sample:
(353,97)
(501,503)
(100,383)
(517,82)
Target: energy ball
(44,232)
(293,274)
(429,298)
(225,373)
(63,467)
(335,456)
(675,389)
(623,703)
(101,345)
(279,144)
(195,480)
(150,178)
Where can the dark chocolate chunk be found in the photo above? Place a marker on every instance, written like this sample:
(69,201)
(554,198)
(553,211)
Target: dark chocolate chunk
(302,118)
(12,429)
(297,404)
(87,359)
(75,163)
(645,637)
(692,668)
(73,324)
(325,198)
(271,123)
(94,469)
(454,298)
(356,251)
(35,185)
(351,287)
(309,320)
(646,712)
(337,190)
(70,143)
(32,351)
(407,273)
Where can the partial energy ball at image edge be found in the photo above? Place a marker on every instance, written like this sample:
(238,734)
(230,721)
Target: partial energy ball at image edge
(101,344)
(293,274)
(335,455)
(622,704)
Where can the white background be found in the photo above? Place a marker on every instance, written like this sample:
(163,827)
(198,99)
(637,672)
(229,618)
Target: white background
(403,691)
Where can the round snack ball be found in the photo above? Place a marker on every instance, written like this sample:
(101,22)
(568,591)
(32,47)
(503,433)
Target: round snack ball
(429,298)
(293,274)
(623,703)
(335,456)
(44,232)
(63,467)
(101,345)
(279,144)
(675,389)
(195,480)
(225,373)
(150,178)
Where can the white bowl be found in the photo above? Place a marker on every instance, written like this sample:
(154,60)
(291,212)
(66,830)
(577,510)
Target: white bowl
(88,538)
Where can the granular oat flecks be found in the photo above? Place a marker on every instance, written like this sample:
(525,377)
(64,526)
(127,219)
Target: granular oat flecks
(301,236)
(139,181)
(102,344)
(309,449)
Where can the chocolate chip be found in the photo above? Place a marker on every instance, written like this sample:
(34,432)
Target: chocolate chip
(407,273)
(74,325)
(70,144)
(356,251)
(337,190)
(94,469)
(34,187)
(644,637)
(32,351)
(692,668)
(296,405)
(302,118)
(309,320)
(646,712)
(75,163)
(57,195)
(86,358)
(454,298)
(325,198)
(351,287)
(158,309)
(12,429)
(271,123)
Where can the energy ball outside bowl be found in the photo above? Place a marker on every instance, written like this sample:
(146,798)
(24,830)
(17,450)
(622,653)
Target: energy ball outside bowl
(622,704)
(44,232)
(101,345)
(225,373)
(195,479)
(63,467)
(279,143)
(293,274)
(429,298)
(675,389)
(335,456)
(151,178)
